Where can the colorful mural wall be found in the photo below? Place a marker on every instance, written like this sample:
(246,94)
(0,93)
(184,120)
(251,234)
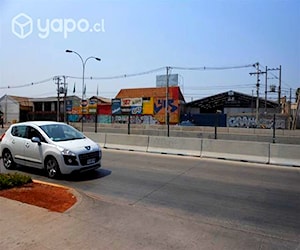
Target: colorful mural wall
(160,110)
(89,111)
(154,107)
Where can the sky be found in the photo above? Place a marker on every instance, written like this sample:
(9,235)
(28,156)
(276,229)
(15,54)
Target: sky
(139,39)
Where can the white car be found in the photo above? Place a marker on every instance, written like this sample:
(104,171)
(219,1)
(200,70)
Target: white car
(56,147)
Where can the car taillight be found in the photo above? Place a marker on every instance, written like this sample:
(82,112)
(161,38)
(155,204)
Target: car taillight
(2,136)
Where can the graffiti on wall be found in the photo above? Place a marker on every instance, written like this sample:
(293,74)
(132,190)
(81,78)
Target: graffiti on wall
(143,119)
(160,105)
(249,121)
(241,122)
(160,110)
(268,123)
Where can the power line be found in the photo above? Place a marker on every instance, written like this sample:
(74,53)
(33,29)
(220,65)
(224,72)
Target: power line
(277,78)
(214,68)
(27,85)
(132,74)
(221,86)
(120,76)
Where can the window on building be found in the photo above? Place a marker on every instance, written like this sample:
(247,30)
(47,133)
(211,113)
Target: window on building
(38,106)
(47,106)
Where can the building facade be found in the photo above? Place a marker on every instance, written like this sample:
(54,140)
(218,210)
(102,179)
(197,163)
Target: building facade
(15,108)
(236,109)
(148,105)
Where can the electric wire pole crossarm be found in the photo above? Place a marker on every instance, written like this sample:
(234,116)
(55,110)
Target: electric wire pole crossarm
(83,70)
(61,90)
(257,73)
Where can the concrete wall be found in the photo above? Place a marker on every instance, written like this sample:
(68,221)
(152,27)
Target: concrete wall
(282,136)
(267,153)
(260,152)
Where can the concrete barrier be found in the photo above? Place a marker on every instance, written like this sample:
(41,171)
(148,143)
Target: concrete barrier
(127,142)
(285,154)
(97,137)
(236,150)
(174,145)
(261,152)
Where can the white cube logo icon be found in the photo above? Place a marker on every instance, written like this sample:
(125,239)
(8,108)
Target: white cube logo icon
(21,25)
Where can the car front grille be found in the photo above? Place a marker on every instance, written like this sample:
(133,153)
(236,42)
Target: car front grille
(85,158)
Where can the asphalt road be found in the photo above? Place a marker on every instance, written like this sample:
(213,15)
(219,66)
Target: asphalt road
(260,202)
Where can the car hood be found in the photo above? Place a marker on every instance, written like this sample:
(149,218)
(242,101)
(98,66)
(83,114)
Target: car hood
(79,145)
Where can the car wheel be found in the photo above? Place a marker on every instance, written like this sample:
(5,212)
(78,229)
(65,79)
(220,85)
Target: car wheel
(8,161)
(51,167)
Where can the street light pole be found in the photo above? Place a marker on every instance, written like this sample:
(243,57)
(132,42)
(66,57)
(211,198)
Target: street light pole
(83,70)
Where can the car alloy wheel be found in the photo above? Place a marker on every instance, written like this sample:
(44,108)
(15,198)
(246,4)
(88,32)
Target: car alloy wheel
(52,167)
(8,160)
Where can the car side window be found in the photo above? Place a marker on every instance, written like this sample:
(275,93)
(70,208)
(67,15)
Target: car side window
(32,132)
(19,131)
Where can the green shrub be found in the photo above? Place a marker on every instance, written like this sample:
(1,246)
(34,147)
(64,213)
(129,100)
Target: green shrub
(13,180)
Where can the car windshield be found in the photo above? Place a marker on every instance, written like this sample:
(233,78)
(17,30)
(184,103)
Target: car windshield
(61,132)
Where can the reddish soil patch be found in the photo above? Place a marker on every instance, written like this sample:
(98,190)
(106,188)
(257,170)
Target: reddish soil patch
(54,198)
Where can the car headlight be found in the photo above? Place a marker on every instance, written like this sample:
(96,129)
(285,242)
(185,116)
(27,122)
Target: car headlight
(67,152)
(69,157)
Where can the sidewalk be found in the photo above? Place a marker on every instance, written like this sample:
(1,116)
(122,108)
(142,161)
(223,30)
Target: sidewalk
(94,223)
(90,224)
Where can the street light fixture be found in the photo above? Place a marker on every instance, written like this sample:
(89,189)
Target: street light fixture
(83,70)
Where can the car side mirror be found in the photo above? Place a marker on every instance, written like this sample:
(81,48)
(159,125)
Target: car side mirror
(36,139)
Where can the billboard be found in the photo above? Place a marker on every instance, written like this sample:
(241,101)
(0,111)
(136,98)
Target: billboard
(132,106)
(161,80)
(116,107)
(92,107)
(128,102)
(148,106)
(69,106)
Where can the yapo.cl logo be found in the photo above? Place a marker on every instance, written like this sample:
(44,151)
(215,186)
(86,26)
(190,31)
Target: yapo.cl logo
(21,25)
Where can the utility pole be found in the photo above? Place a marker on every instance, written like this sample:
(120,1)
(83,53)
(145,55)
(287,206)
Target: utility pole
(61,90)
(266,89)
(65,98)
(167,103)
(257,93)
(257,73)
(252,103)
(279,86)
(279,90)
(57,78)
(290,110)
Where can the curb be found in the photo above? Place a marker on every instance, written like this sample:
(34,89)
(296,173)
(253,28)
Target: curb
(72,190)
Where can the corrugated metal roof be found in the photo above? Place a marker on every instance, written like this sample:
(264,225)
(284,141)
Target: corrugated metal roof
(54,98)
(229,99)
(23,101)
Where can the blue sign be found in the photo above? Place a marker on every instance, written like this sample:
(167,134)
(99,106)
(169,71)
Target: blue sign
(69,105)
(116,107)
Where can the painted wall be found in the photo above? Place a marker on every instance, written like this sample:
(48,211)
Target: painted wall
(155,107)
(249,121)
(104,109)
(141,119)
(148,106)
(104,119)
(160,110)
